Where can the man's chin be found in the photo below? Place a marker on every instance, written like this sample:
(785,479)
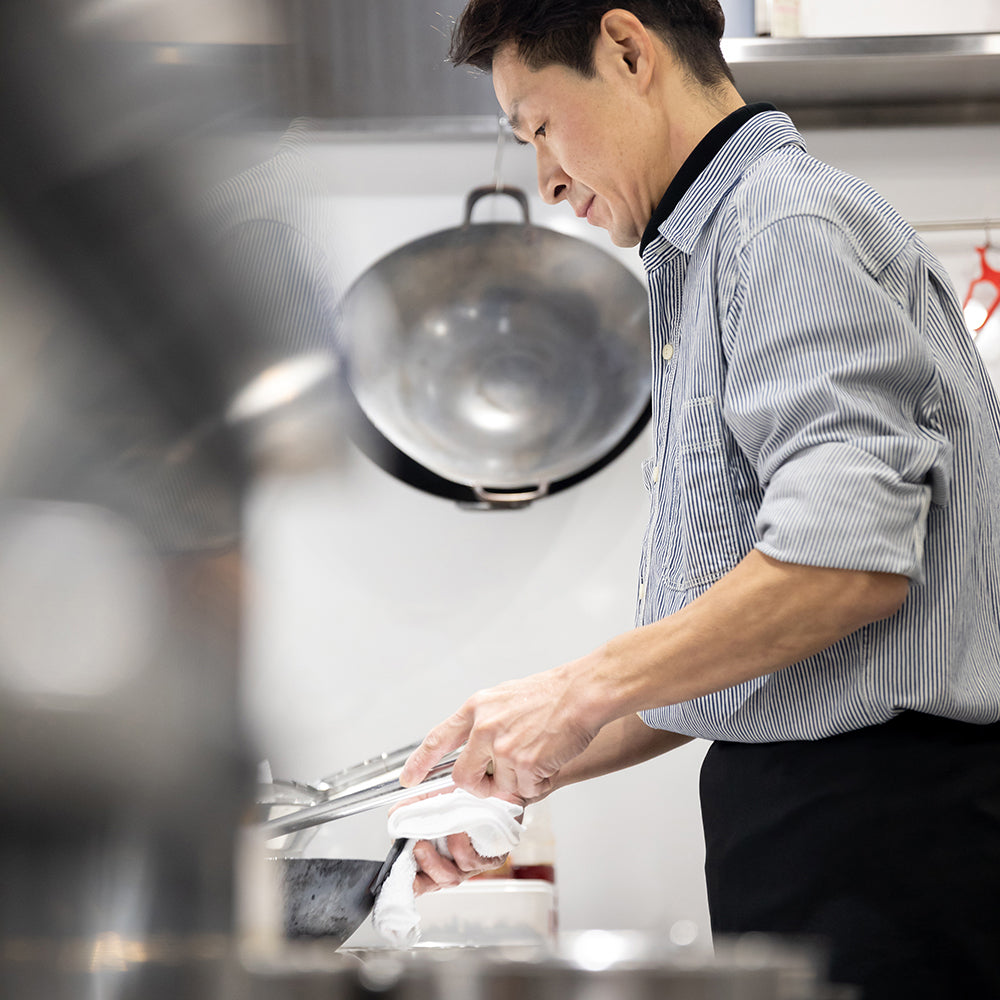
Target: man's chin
(624,240)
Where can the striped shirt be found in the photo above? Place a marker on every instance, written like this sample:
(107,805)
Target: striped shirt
(817,396)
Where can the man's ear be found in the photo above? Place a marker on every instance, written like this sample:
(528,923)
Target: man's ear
(625,44)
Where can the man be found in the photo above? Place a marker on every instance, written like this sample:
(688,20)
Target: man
(820,582)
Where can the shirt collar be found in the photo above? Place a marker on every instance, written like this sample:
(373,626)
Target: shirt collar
(711,168)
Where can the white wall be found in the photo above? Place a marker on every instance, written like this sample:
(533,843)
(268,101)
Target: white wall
(375,609)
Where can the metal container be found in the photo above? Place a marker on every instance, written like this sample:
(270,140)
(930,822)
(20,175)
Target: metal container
(504,361)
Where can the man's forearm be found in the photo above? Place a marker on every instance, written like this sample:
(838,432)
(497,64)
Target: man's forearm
(762,616)
(620,744)
(524,737)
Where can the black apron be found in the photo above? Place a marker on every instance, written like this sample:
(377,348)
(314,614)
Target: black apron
(884,842)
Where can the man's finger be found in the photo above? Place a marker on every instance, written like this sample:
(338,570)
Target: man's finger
(467,859)
(473,770)
(434,870)
(441,740)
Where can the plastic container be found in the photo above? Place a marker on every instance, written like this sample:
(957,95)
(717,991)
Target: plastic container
(489,912)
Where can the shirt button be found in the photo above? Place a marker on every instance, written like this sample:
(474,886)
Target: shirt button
(667,352)
(656,474)
(642,591)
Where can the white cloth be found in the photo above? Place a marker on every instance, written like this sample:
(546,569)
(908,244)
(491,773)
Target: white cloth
(492,826)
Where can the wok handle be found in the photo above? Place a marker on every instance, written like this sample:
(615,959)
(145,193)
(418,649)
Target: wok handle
(383,873)
(476,194)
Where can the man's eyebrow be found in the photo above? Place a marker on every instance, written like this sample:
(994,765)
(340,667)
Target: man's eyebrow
(514,125)
(513,122)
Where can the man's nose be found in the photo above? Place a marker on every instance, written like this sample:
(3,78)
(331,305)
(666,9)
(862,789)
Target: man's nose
(553,181)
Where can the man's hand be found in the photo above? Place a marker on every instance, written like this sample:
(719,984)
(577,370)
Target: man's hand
(435,871)
(517,735)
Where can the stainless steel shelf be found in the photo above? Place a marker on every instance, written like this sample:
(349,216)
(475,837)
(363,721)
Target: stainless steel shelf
(883,80)
(821,82)
(741,50)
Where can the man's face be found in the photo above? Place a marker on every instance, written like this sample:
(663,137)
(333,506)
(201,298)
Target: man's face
(580,128)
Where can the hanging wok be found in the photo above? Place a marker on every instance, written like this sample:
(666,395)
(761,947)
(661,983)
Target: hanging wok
(497,363)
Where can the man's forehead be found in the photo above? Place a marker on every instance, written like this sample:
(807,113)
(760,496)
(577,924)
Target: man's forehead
(508,81)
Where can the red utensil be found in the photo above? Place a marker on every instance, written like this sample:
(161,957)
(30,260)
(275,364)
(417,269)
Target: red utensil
(985,289)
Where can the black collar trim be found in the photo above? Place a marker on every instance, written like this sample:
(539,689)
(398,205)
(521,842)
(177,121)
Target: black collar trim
(700,158)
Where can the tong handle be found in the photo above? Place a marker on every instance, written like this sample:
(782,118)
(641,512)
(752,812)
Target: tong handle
(359,774)
(351,802)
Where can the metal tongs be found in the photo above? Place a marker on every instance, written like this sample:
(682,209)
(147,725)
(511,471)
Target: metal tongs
(369,785)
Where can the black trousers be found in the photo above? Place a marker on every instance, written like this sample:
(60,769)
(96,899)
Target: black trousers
(883,842)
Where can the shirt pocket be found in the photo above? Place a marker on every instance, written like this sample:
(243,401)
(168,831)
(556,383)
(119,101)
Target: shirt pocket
(706,528)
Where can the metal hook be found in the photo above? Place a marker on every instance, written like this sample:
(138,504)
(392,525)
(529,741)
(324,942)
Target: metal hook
(498,160)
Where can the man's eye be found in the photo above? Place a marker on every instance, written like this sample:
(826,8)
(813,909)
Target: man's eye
(540,130)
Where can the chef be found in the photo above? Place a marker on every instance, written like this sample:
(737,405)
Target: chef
(819,592)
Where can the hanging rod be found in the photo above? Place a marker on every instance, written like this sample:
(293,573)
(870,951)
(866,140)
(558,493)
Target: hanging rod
(956,224)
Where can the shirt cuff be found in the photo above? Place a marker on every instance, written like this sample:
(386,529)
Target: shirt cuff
(838,506)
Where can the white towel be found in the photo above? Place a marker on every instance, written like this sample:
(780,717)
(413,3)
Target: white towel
(492,826)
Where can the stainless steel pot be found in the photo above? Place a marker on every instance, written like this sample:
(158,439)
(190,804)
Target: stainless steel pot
(499,362)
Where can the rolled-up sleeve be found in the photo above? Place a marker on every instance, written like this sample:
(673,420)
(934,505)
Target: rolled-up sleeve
(832,395)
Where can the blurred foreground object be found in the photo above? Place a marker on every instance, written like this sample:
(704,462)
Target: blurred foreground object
(125,348)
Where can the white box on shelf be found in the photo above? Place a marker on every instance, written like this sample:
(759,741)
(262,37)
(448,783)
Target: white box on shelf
(853,18)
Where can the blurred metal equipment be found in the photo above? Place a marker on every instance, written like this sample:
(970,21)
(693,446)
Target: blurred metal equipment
(129,425)
(590,965)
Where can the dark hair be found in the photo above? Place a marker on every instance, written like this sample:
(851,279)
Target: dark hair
(563,32)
